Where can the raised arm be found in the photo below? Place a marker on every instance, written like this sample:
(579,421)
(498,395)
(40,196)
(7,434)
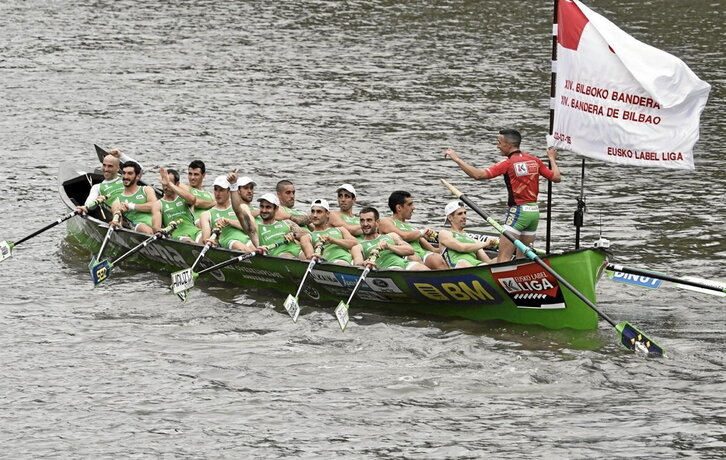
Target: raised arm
(552,155)
(470,170)
(386,225)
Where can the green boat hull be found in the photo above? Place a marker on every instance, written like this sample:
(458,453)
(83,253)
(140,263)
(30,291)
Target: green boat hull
(519,292)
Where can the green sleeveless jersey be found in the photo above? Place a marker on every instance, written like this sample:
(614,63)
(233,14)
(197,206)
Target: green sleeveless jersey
(386,258)
(200,195)
(454,256)
(332,252)
(352,220)
(293,212)
(112,189)
(228,233)
(275,232)
(137,217)
(178,209)
(421,252)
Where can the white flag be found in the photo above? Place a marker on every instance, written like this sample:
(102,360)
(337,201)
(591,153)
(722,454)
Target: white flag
(620,100)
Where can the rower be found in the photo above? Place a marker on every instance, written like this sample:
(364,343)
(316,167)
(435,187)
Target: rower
(461,250)
(271,231)
(345,217)
(176,205)
(112,185)
(286,196)
(223,216)
(242,191)
(401,204)
(134,202)
(391,248)
(339,246)
(196,172)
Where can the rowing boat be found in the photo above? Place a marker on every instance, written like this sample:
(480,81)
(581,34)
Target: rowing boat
(519,291)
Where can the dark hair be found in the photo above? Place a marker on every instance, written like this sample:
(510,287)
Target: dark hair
(512,136)
(174,174)
(132,164)
(198,164)
(397,197)
(368,209)
(281,184)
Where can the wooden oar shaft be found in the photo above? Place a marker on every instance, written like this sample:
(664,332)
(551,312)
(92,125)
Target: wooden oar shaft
(207,245)
(312,263)
(363,275)
(528,252)
(718,287)
(59,221)
(357,285)
(160,234)
(239,258)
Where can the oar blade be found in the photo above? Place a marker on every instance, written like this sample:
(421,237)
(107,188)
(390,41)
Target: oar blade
(341,312)
(635,340)
(100,272)
(292,307)
(182,280)
(6,250)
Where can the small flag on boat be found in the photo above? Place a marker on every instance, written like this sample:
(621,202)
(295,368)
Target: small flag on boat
(620,100)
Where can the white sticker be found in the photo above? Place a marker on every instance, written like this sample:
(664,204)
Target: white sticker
(182,280)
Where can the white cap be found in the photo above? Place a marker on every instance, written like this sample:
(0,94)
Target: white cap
(221,181)
(451,207)
(321,203)
(347,188)
(270,198)
(242,181)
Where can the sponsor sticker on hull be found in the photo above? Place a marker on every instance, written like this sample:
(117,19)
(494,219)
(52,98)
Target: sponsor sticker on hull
(530,286)
(463,290)
(383,285)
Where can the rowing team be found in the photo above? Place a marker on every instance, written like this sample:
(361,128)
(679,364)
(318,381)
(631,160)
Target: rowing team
(270,224)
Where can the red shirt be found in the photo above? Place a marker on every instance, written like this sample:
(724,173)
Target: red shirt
(521,175)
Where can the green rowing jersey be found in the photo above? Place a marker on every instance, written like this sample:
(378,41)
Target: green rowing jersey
(416,244)
(352,220)
(331,251)
(137,217)
(229,233)
(178,209)
(200,195)
(274,233)
(111,189)
(293,212)
(386,258)
(454,256)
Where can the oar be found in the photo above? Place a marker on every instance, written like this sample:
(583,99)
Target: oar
(6,247)
(690,282)
(181,277)
(630,337)
(183,281)
(102,270)
(95,259)
(291,303)
(341,311)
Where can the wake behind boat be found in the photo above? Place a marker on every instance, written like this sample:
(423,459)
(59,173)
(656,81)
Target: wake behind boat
(519,291)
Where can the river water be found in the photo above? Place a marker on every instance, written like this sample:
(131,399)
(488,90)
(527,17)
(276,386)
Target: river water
(323,92)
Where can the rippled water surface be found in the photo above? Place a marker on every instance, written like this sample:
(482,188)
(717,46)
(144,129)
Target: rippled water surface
(367,92)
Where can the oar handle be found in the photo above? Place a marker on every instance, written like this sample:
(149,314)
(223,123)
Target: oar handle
(239,258)
(164,232)
(454,191)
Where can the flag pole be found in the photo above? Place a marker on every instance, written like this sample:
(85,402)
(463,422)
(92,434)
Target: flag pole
(553,87)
